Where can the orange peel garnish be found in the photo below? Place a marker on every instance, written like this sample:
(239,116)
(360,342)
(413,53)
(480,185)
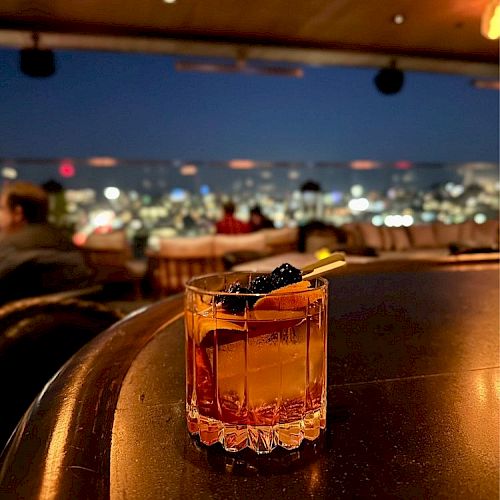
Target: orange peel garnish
(204,325)
(290,297)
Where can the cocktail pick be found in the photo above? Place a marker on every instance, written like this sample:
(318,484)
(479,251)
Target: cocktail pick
(324,266)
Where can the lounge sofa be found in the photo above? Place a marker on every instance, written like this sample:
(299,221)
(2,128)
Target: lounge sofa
(110,256)
(421,241)
(179,258)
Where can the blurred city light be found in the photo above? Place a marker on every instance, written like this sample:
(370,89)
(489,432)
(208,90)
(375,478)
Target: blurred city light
(178,195)
(67,169)
(9,173)
(364,164)
(189,170)
(102,218)
(358,204)
(111,193)
(102,161)
(449,193)
(204,189)
(398,220)
(241,164)
(357,190)
(479,218)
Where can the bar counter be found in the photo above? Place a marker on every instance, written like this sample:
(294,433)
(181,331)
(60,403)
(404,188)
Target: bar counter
(413,400)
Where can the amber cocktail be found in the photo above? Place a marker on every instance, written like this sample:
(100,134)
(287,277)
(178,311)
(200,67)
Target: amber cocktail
(255,362)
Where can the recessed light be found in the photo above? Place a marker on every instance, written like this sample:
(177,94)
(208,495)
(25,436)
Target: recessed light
(169,1)
(398,19)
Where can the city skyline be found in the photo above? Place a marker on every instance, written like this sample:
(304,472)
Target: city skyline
(158,178)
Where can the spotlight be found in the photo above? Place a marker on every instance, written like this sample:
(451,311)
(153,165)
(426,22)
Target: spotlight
(35,62)
(389,80)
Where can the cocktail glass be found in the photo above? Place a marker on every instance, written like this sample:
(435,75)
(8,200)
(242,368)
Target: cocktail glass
(257,378)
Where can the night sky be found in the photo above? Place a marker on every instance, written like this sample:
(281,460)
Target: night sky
(137,106)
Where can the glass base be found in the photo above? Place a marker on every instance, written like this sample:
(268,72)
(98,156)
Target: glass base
(259,438)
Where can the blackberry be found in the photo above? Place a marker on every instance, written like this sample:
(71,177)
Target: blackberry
(286,274)
(233,303)
(262,284)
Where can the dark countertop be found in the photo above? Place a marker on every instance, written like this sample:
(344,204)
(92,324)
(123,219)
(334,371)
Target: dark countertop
(413,399)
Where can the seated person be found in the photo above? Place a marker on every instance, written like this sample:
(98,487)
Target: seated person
(229,224)
(258,220)
(36,258)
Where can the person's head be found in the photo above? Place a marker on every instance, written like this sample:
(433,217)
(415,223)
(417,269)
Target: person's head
(256,214)
(229,208)
(256,211)
(22,203)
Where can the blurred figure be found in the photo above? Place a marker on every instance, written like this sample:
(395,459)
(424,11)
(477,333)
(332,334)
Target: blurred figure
(35,257)
(258,220)
(57,202)
(229,224)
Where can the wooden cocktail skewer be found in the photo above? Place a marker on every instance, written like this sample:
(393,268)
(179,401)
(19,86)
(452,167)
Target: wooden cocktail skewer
(324,266)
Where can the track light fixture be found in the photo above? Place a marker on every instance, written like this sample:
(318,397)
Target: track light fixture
(389,80)
(36,62)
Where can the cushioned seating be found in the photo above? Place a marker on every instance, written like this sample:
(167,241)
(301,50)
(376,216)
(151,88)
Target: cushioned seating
(466,231)
(110,256)
(387,243)
(446,234)
(354,239)
(181,258)
(37,336)
(422,236)
(371,235)
(116,240)
(225,243)
(400,238)
(232,259)
(281,240)
(436,237)
(320,237)
(486,234)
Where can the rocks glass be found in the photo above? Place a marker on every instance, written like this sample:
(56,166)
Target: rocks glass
(256,378)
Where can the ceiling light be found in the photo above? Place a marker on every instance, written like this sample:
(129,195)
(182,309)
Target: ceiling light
(398,19)
(490,21)
(35,62)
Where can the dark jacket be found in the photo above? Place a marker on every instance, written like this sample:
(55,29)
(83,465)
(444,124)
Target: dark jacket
(40,259)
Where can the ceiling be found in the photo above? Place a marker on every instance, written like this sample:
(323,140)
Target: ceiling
(437,36)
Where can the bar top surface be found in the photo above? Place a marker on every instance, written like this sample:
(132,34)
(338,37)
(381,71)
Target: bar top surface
(413,393)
